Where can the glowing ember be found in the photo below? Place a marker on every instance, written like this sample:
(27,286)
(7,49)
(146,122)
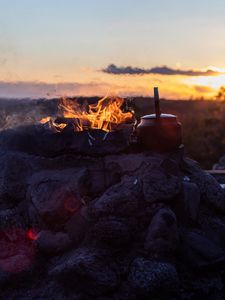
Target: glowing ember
(32,234)
(106,114)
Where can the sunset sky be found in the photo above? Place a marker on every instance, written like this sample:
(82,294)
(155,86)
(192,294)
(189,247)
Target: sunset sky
(65,47)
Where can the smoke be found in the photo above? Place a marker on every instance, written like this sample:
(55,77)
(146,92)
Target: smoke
(23,89)
(164,70)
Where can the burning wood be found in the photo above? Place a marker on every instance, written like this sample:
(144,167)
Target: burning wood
(106,114)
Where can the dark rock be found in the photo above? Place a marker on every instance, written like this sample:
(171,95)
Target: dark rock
(4,277)
(120,200)
(187,208)
(127,163)
(44,141)
(200,253)
(214,228)
(162,235)
(17,251)
(152,278)
(210,189)
(56,196)
(112,232)
(157,186)
(15,169)
(53,242)
(77,226)
(87,268)
(220,165)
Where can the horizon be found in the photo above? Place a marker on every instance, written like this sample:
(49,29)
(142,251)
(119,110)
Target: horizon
(95,48)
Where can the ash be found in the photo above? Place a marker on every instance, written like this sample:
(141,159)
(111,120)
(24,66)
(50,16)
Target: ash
(86,216)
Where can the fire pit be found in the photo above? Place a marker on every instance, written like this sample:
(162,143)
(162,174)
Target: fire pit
(85,214)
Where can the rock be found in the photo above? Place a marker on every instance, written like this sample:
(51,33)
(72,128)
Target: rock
(88,270)
(162,234)
(56,196)
(76,227)
(52,243)
(214,228)
(220,165)
(200,253)
(112,232)
(157,186)
(127,163)
(120,200)
(42,140)
(149,278)
(187,208)
(15,169)
(4,277)
(210,190)
(17,251)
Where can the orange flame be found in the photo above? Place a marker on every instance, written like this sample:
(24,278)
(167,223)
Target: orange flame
(106,114)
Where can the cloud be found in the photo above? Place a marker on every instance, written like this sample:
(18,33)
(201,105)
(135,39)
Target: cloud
(164,70)
(203,89)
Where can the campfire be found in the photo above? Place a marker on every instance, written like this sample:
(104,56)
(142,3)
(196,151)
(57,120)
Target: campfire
(107,114)
(83,215)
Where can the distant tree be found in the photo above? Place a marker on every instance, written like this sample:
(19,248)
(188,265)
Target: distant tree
(221,94)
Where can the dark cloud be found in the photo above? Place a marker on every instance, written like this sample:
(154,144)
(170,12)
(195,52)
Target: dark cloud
(113,69)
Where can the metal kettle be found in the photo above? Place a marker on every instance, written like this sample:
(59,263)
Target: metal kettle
(159,132)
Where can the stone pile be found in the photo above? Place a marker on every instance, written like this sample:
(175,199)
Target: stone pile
(121,224)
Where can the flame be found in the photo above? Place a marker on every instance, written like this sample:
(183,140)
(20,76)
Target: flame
(45,120)
(106,114)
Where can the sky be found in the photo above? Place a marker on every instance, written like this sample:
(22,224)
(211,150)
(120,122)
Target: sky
(66,47)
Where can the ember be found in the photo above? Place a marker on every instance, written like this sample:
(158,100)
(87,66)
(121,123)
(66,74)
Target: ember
(106,114)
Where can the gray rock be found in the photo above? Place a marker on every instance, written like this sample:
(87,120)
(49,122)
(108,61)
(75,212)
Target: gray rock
(162,234)
(52,242)
(149,277)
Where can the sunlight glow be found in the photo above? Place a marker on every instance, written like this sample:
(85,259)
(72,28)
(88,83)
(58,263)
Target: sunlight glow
(214,82)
